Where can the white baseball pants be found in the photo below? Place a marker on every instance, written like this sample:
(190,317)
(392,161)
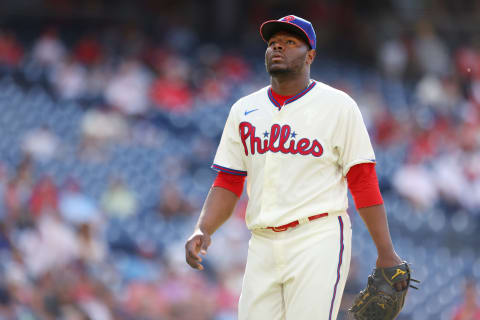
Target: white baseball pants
(297,274)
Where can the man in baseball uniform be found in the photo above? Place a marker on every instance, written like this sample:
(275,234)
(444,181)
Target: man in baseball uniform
(300,143)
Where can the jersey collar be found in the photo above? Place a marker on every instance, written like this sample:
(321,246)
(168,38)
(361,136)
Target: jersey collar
(292,99)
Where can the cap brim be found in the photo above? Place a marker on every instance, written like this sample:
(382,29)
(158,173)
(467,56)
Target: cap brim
(269,28)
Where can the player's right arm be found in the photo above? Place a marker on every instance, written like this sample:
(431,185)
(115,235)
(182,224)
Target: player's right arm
(218,207)
(224,193)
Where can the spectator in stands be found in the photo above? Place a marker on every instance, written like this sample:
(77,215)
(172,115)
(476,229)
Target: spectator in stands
(145,300)
(415,182)
(97,79)
(69,79)
(470,309)
(11,52)
(57,294)
(430,51)
(88,50)
(12,200)
(17,194)
(171,91)
(118,201)
(393,57)
(450,182)
(100,128)
(75,206)
(213,91)
(127,90)
(173,203)
(44,199)
(430,91)
(92,249)
(52,244)
(17,278)
(41,143)
(48,50)
(182,295)
(233,68)
(5,242)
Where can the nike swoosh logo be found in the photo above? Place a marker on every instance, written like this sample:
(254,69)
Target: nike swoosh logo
(249,111)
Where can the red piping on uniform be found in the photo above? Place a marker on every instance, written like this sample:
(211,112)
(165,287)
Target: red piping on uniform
(272,95)
(216,167)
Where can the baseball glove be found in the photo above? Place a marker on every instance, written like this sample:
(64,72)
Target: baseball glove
(380,300)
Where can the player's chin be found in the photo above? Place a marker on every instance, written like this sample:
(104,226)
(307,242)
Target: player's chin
(276,69)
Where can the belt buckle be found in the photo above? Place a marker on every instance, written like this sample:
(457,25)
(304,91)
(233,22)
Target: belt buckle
(279,229)
(303,221)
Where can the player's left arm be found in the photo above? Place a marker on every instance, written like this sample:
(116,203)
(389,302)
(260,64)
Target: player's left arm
(357,159)
(375,219)
(363,184)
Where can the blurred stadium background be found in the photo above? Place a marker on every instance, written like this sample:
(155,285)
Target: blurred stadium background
(110,113)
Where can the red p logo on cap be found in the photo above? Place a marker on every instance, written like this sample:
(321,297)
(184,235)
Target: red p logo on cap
(288,18)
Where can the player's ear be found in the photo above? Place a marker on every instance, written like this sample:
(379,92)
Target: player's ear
(311,56)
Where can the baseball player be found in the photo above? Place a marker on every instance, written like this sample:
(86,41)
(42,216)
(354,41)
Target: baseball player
(300,143)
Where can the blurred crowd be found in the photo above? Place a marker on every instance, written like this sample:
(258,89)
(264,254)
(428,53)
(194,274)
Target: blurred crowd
(126,73)
(442,122)
(63,253)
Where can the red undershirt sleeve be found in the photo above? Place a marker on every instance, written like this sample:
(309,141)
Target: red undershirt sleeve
(230,182)
(363,184)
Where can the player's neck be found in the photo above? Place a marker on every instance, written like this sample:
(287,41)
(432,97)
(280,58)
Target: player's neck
(289,86)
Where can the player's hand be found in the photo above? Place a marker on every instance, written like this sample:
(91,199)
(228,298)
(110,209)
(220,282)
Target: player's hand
(198,243)
(391,260)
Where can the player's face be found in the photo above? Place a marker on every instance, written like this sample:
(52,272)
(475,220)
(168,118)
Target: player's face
(287,53)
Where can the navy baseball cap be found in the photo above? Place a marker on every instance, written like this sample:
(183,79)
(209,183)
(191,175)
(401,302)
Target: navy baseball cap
(290,23)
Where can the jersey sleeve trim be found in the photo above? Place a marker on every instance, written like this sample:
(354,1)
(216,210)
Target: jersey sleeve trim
(230,182)
(218,168)
(355,162)
(363,185)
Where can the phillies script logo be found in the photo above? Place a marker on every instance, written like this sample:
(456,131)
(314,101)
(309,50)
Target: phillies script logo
(277,141)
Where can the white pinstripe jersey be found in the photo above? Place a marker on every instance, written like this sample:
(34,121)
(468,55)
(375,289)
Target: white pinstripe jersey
(295,156)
